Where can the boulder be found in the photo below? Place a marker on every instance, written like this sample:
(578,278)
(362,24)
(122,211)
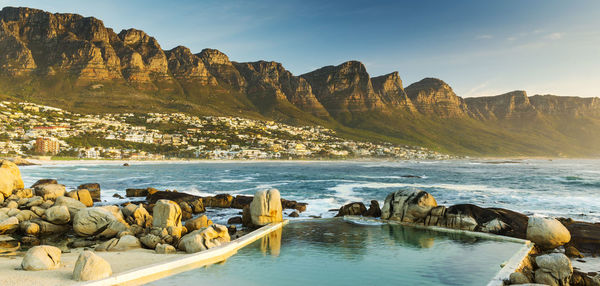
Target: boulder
(34,201)
(92,221)
(235,220)
(57,215)
(50,191)
(292,214)
(197,223)
(133,193)
(408,206)
(585,236)
(23,193)
(355,208)
(554,269)
(300,207)
(374,210)
(82,195)
(73,205)
(165,249)
(38,211)
(150,240)
(29,228)
(204,238)
(43,182)
(137,214)
(9,225)
(12,205)
(218,201)
(47,228)
(113,229)
(519,278)
(10,178)
(240,201)
(90,266)
(124,243)
(547,233)
(166,213)
(42,257)
(571,251)
(93,189)
(25,215)
(265,208)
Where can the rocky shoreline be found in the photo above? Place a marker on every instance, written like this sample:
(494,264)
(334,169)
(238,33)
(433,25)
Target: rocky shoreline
(47,221)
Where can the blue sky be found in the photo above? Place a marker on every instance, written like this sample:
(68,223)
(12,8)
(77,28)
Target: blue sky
(478,47)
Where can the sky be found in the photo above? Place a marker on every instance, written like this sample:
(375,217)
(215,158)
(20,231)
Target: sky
(480,48)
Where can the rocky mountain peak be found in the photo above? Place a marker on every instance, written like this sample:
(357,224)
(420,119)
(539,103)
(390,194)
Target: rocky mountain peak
(432,96)
(188,67)
(390,88)
(509,105)
(213,56)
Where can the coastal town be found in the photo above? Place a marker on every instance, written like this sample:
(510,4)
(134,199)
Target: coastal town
(30,129)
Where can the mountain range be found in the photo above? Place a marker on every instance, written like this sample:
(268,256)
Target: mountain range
(76,63)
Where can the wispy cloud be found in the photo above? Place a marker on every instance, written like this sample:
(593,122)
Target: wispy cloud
(484,37)
(511,38)
(554,36)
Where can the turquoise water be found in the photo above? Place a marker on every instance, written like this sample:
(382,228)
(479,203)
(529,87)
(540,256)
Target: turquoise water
(568,188)
(341,253)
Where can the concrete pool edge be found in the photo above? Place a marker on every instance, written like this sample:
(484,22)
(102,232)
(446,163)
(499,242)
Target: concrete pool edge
(510,266)
(160,270)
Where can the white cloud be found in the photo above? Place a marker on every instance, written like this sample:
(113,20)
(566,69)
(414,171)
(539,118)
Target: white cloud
(485,37)
(511,39)
(554,36)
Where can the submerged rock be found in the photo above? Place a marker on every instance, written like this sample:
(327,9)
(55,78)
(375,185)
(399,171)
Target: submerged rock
(42,257)
(547,233)
(90,266)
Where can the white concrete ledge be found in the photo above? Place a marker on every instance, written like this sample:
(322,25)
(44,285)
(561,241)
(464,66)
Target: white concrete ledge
(186,262)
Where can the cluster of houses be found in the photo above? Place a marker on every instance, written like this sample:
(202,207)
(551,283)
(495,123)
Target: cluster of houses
(29,129)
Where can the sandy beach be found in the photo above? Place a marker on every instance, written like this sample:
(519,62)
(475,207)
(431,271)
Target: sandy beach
(11,273)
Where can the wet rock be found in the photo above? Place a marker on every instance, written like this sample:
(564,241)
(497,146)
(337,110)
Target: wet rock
(547,233)
(50,191)
(10,178)
(232,229)
(585,236)
(294,205)
(408,206)
(133,193)
(92,221)
(572,252)
(90,266)
(166,213)
(93,189)
(374,210)
(294,214)
(554,269)
(235,220)
(165,249)
(204,239)
(82,195)
(197,223)
(240,201)
(355,208)
(42,257)
(218,201)
(43,182)
(115,195)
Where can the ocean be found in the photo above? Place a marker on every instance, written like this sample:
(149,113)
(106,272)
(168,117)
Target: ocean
(557,188)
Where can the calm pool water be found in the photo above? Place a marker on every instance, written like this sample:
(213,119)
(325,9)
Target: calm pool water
(336,252)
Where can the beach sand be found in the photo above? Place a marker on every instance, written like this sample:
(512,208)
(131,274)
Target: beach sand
(11,273)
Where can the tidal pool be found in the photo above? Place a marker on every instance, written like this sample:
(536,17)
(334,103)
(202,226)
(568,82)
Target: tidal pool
(337,252)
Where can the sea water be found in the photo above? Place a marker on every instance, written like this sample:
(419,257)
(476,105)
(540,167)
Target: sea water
(567,188)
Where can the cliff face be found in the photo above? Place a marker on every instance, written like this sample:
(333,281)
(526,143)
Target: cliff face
(57,59)
(269,81)
(433,97)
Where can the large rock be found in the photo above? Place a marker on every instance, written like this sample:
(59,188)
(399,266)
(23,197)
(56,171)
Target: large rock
(73,205)
(92,221)
(124,243)
(57,215)
(150,240)
(43,182)
(554,269)
(165,249)
(408,206)
(9,225)
(197,223)
(166,213)
(93,189)
(82,195)
(50,191)
(265,208)
(218,201)
(90,266)
(10,178)
(374,209)
(585,236)
(547,233)
(42,257)
(356,208)
(204,238)
(137,214)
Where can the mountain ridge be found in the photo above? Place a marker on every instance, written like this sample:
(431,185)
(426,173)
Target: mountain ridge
(76,62)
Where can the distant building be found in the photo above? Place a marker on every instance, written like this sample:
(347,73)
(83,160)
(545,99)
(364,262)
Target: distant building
(47,145)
